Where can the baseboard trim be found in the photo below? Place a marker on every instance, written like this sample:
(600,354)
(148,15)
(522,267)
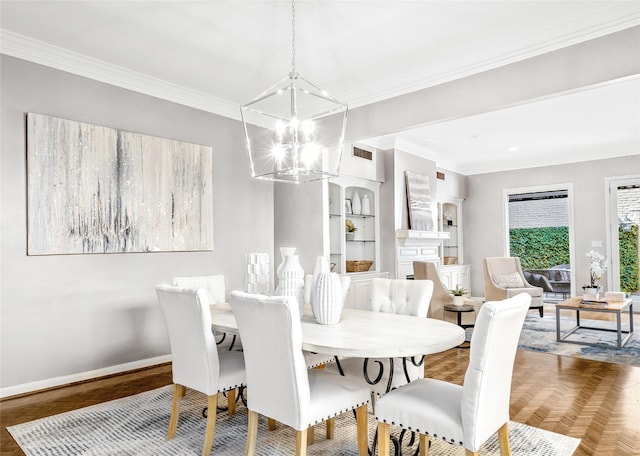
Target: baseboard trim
(54,382)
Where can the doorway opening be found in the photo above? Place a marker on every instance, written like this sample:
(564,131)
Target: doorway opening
(622,236)
(539,230)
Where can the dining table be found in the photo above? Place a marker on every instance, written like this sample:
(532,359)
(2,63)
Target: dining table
(364,334)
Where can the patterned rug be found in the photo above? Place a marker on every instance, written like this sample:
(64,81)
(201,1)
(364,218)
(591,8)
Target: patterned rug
(539,334)
(137,425)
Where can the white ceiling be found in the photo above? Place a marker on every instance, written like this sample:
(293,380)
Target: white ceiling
(217,55)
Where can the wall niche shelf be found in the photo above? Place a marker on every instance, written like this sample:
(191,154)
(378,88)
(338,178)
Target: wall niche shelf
(453,272)
(364,245)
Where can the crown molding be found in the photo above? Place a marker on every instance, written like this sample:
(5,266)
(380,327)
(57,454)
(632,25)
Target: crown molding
(583,155)
(36,51)
(614,19)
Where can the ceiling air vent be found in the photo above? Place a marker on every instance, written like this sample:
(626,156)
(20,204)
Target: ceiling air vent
(367,155)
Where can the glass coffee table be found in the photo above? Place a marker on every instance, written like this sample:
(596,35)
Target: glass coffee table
(578,304)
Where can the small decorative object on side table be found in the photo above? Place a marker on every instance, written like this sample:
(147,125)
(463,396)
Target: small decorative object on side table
(459,310)
(458,295)
(597,267)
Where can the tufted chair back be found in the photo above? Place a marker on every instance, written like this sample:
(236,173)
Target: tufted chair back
(403,297)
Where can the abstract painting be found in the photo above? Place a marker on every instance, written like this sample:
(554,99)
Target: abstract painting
(95,189)
(419,201)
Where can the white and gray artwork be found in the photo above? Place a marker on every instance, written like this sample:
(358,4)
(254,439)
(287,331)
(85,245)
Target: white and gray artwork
(419,201)
(94,189)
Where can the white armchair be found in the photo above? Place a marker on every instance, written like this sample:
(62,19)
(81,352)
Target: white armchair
(196,363)
(503,278)
(464,415)
(279,383)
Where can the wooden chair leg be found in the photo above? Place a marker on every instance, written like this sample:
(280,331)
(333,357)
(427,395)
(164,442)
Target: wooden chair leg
(362,422)
(424,445)
(331,426)
(311,435)
(271,424)
(231,402)
(470,453)
(301,443)
(252,434)
(211,425)
(503,439)
(178,394)
(383,439)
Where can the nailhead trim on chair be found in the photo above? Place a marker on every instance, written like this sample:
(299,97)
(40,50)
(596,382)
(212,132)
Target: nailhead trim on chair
(230,388)
(417,431)
(340,412)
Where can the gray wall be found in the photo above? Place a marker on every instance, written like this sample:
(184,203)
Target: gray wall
(299,221)
(68,314)
(484,221)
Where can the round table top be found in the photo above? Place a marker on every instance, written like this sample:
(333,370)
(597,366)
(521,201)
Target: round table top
(366,334)
(463,308)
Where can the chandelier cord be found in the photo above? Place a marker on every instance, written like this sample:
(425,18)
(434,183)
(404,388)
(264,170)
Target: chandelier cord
(293,73)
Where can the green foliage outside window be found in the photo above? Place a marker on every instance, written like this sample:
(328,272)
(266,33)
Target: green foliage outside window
(629,269)
(540,248)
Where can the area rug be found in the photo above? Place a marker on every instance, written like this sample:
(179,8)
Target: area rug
(137,425)
(539,334)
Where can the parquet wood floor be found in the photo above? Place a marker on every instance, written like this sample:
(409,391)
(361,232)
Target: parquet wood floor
(595,401)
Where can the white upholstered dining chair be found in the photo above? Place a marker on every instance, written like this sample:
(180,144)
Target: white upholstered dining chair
(216,292)
(404,297)
(279,383)
(463,415)
(196,363)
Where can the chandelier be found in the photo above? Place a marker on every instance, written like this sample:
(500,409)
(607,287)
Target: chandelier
(294,130)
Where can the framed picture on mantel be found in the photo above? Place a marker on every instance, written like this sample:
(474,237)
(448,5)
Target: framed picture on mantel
(419,201)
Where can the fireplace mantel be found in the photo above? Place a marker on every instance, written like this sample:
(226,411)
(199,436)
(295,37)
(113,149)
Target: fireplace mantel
(420,237)
(414,245)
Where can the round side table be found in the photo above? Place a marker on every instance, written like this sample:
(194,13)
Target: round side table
(459,310)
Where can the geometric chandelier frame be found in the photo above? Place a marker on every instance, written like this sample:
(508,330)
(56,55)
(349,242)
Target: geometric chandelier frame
(294,131)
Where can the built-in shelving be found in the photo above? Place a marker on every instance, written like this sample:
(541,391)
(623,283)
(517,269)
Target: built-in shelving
(364,246)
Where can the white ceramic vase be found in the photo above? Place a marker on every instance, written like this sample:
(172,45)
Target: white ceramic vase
(366,205)
(458,301)
(291,280)
(592,292)
(356,204)
(326,298)
(284,252)
(321,266)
